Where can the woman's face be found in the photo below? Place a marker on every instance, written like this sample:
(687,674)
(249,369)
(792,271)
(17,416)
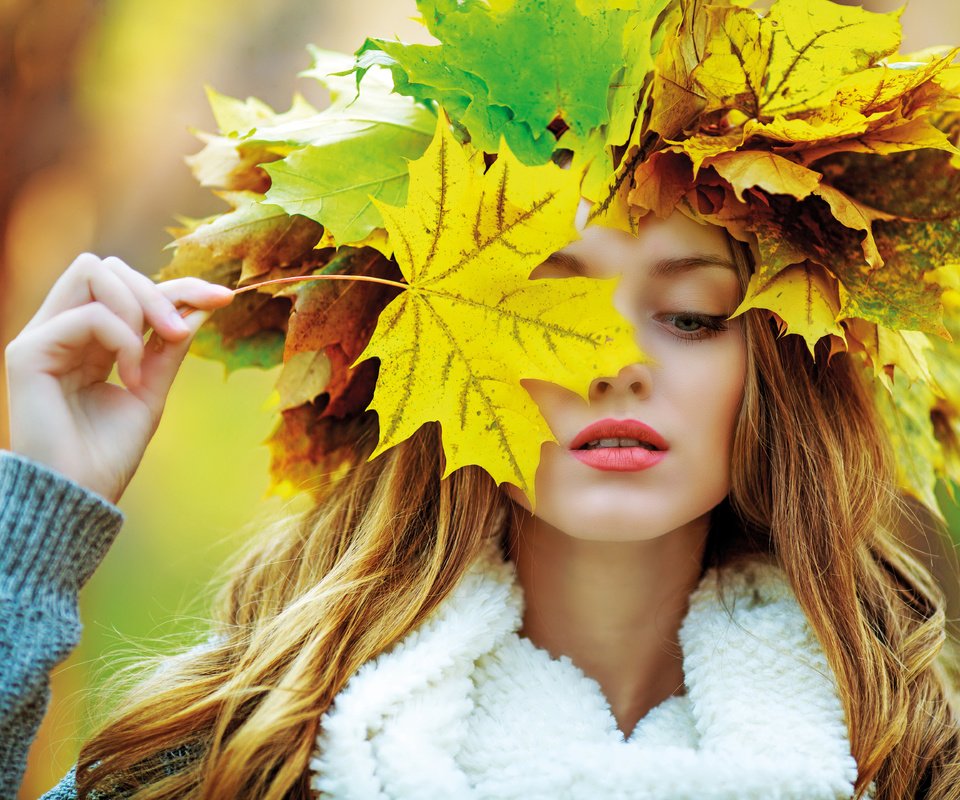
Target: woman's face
(677,286)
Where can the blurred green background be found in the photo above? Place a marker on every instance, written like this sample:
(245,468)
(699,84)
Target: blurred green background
(96,100)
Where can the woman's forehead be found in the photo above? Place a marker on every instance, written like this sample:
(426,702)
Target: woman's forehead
(675,238)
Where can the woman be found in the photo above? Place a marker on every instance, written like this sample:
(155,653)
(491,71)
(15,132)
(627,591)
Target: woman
(707,600)
(606,564)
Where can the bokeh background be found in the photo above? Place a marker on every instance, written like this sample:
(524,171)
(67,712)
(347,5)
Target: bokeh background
(97,101)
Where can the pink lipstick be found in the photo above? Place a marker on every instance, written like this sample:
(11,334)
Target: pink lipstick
(618,445)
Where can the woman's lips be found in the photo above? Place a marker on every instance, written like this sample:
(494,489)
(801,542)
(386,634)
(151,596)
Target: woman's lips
(619,459)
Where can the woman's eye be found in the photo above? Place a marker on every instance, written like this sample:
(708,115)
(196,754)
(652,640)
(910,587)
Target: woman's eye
(695,326)
(687,324)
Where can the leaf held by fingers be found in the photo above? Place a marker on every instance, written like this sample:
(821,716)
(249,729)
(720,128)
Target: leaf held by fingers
(252,242)
(454,347)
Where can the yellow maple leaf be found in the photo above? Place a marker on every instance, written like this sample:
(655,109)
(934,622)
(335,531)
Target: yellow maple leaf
(803,296)
(917,134)
(732,74)
(676,101)
(805,72)
(792,60)
(907,351)
(700,148)
(875,88)
(918,397)
(880,110)
(454,346)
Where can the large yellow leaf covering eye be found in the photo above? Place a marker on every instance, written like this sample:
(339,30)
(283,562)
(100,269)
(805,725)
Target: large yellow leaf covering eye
(454,346)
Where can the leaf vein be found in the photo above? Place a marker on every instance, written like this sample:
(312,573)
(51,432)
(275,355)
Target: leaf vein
(473,381)
(496,238)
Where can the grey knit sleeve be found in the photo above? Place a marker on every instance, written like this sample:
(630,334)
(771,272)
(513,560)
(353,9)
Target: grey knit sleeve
(53,535)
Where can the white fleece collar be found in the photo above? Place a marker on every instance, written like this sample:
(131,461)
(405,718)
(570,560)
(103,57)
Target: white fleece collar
(463,707)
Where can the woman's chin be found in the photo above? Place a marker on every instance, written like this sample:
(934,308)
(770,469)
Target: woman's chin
(603,525)
(615,528)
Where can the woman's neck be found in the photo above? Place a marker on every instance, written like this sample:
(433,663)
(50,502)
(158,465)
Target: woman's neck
(614,608)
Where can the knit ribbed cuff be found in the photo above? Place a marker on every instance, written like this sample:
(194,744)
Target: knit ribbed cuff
(53,532)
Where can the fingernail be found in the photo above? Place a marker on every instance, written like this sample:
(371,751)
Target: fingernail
(195,319)
(176,321)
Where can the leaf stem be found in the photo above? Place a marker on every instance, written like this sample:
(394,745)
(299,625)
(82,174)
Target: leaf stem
(186,311)
(295,278)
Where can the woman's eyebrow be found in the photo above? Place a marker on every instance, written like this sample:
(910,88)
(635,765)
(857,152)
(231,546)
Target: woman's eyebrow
(668,267)
(665,267)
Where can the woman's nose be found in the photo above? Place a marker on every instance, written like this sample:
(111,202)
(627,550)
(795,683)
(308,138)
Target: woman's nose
(635,379)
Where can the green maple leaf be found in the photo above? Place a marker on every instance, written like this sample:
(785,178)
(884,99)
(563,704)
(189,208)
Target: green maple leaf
(454,346)
(642,39)
(353,152)
(324,165)
(539,60)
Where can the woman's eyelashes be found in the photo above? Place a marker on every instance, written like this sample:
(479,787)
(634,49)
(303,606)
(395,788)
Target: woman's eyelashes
(692,326)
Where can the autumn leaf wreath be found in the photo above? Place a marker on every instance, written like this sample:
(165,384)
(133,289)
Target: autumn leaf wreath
(381,248)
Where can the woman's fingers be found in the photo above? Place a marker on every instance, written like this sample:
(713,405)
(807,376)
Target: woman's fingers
(62,410)
(195,292)
(162,357)
(109,288)
(162,360)
(61,346)
(89,280)
(132,296)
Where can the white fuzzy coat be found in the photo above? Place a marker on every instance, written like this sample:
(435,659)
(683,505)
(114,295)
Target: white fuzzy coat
(463,707)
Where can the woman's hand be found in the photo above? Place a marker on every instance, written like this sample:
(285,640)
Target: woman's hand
(63,412)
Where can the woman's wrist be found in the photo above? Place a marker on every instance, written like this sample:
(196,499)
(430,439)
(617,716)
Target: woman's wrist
(53,532)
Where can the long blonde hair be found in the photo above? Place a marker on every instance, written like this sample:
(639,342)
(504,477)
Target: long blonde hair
(320,594)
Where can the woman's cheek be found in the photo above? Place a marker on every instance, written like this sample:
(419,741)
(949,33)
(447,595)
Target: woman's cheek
(708,384)
(725,383)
